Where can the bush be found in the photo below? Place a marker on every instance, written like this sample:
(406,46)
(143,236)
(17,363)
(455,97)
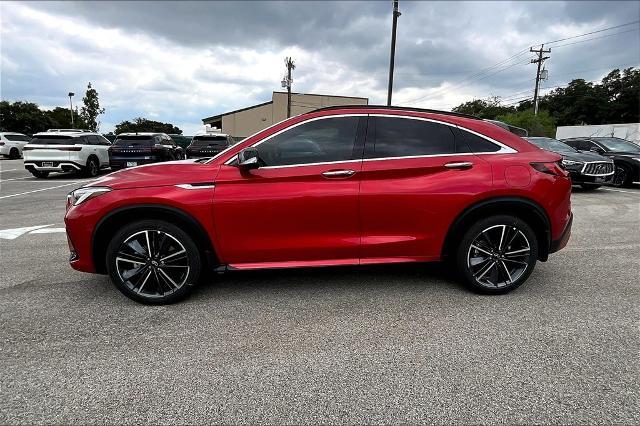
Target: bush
(537,125)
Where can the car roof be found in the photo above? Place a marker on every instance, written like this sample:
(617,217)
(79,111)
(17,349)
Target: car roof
(73,134)
(394,108)
(141,134)
(12,133)
(211,134)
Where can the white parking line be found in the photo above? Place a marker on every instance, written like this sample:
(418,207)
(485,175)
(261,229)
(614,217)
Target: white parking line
(7,180)
(40,190)
(620,190)
(10,170)
(48,231)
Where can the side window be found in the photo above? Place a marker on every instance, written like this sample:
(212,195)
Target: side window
(474,142)
(319,141)
(401,137)
(104,140)
(95,140)
(584,145)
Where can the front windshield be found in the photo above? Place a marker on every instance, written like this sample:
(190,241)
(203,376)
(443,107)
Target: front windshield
(553,145)
(618,145)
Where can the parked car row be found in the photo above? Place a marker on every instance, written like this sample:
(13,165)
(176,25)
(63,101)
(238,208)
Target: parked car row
(593,162)
(78,150)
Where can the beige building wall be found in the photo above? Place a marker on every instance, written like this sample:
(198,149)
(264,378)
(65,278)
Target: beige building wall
(246,122)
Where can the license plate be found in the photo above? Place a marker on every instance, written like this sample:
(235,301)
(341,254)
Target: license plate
(47,164)
(131,163)
(599,179)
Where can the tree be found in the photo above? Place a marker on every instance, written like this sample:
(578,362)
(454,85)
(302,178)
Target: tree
(489,108)
(537,125)
(23,117)
(61,118)
(143,125)
(91,109)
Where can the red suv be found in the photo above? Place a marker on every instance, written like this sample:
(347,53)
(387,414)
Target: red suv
(336,186)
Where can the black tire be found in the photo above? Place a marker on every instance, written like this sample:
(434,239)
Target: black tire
(589,187)
(622,176)
(92,169)
(148,283)
(39,174)
(14,154)
(476,246)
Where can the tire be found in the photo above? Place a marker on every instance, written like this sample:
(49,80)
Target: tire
(92,169)
(487,269)
(148,283)
(14,154)
(589,187)
(622,176)
(39,174)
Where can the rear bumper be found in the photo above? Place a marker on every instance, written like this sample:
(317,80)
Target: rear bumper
(197,154)
(561,242)
(121,162)
(52,166)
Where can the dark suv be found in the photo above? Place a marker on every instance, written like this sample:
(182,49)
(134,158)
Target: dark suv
(587,169)
(134,149)
(208,145)
(625,155)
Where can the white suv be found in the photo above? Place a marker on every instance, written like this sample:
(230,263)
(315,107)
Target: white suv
(11,144)
(60,151)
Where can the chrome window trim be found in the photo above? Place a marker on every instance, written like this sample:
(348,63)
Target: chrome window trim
(504,149)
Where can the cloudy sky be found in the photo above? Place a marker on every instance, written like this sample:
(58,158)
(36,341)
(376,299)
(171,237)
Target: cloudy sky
(181,61)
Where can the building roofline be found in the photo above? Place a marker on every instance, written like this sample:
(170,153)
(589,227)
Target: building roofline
(325,96)
(213,117)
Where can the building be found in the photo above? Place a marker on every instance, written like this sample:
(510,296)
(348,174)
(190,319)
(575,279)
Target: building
(247,121)
(628,131)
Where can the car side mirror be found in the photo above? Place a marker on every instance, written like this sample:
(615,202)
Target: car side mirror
(248,158)
(597,150)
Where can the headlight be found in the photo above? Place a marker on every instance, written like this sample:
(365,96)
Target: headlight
(81,195)
(571,163)
(637,158)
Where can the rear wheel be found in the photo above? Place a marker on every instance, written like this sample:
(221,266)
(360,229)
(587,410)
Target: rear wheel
(92,168)
(14,154)
(39,174)
(497,254)
(153,262)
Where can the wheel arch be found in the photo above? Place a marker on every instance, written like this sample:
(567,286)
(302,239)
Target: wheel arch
(523,208)
(117,218)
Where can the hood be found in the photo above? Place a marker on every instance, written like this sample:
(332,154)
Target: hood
(627,154)
(160,174)
(584,157)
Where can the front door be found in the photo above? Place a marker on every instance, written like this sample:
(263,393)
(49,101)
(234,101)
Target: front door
(301,206)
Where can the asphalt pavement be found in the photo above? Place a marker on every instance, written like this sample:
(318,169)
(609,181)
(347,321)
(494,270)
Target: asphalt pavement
(391,344)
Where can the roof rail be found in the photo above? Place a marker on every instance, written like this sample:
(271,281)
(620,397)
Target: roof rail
(398,108)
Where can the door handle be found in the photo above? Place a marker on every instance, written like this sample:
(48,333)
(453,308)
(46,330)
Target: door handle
(338,173)
(463,165)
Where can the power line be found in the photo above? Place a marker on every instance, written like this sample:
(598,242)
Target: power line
(592,32)
(596,38)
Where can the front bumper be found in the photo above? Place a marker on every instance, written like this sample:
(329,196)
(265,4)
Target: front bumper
(579,178)
(561,242)
(121,162)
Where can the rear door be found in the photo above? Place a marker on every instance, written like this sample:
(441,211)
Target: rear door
(301,207)
(417,175)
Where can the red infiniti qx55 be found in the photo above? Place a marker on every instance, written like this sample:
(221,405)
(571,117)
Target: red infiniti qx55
(335,186)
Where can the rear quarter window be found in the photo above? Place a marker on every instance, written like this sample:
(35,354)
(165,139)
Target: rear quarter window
(474,143)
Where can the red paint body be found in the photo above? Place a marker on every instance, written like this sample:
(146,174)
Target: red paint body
(389,210)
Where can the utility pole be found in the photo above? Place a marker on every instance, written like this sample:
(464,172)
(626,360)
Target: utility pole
(286,82)
(396,13)
(538,61)
(71,94)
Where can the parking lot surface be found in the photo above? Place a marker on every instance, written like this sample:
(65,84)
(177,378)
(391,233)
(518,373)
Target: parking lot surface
(401,344)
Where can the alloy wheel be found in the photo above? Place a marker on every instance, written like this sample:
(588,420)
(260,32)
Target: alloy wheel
(620,176)
(498,256)
(152,263)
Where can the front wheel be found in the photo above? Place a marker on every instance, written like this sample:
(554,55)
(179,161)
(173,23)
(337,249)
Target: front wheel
(92,168)
(153,262)
(622,176)
(497,254)
(14,154)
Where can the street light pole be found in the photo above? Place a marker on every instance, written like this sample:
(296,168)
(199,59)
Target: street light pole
(396,13)
(71,94)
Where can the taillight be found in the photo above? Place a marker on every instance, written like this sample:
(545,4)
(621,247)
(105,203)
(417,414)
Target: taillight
(70,148)
(27,148)
(550,168)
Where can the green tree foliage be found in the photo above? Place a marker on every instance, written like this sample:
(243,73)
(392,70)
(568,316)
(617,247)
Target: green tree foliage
(143,125)
(23,117)
(61,117)
(91,108)
(537,125)
(615,99)
(484,108)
